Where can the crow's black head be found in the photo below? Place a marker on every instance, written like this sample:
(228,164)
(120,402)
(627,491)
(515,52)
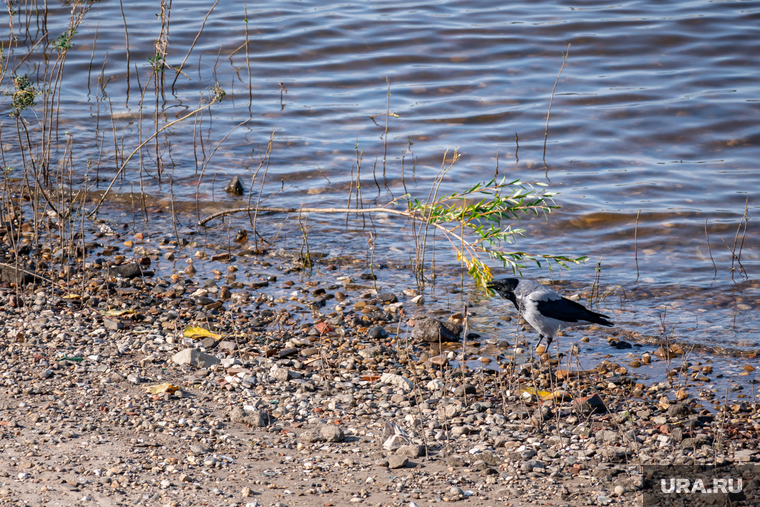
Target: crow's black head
(504,284)
(505,287)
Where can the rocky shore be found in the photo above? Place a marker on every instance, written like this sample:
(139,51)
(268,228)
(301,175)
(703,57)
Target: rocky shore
(134,382)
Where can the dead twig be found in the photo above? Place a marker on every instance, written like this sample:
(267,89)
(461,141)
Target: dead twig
(548,113)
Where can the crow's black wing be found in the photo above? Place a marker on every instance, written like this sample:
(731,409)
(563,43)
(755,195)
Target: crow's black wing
(570,311)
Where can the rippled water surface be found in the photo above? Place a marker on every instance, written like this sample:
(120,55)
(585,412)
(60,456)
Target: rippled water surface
(655,115)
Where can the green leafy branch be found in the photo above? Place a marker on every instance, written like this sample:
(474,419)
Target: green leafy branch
(474,222)
(24,95)
(63,42)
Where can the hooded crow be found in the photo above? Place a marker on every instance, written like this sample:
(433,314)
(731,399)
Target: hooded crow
(543,308)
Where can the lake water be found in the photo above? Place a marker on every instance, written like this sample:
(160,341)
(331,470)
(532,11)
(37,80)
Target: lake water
(656,115)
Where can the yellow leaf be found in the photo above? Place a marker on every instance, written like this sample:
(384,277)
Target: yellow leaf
(545,395)
(162,388)
(117,313)
(196,332)
(71,296)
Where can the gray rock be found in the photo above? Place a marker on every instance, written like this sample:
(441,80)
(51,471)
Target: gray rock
(679,410)
(531,465)
(227,345)
(465,389)
(590,405)
(256,418)
(377,332)
(412,450)
(745,455)
(130,270)
(490,458)
(613,454)
(194,357)
(310,436)
(208,343)
(432,331)
(397,461)
(281,374)
(387,297)
(458,431)
(455,493)
(234,187)
(397,381)
(331,433)
(113,325)
(372,351)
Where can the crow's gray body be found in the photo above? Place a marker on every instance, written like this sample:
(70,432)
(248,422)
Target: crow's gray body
(545,310)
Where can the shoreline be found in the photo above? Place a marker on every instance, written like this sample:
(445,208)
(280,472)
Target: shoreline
(290,407)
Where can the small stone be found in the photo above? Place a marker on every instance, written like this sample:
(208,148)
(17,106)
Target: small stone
(130,270)
(245,492)
(432,331)
(397,381)
(198,449)
(331,433)
(679,410)
(113,325)
(234,187)
(281,374)
(194,357)
(412,450)
(465,389)
(590,405)
(310,436)
(377,332)
(227,345)
(749,368)
(387,297)
(397,461)
(255,418)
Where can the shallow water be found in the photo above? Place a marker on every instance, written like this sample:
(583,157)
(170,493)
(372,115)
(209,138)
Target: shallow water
(655,115)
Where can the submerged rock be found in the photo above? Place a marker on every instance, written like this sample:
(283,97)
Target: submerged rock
(432,331)
(234,187)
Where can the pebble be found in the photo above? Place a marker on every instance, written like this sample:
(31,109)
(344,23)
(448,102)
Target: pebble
(194,357)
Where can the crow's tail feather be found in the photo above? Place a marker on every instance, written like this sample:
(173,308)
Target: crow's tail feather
(598,318)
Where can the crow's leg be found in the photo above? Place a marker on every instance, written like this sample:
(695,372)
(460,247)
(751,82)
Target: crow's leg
(540,338)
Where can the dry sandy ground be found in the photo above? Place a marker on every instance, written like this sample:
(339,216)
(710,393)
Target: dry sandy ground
(76,461)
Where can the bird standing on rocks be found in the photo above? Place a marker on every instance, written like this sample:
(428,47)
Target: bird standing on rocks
(545,310)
